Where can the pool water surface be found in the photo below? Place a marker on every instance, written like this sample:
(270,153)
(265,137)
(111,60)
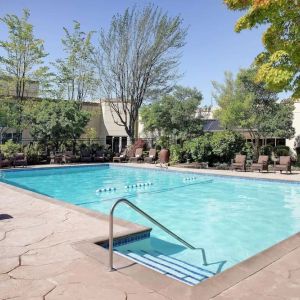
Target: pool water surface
(230,218)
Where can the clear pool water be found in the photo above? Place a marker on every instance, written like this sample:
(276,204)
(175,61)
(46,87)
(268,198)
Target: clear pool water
(231,218)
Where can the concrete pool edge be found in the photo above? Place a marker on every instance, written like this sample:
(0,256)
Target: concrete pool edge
(209,288)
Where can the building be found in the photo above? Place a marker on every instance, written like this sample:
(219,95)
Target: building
(296,125)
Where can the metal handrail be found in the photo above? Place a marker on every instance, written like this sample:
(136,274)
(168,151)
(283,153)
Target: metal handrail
(130,204)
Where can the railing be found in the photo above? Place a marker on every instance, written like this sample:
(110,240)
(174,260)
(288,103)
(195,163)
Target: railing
(130,204)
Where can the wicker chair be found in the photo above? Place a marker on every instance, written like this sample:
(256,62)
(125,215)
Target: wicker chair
(284,164)
(262,164)
(152,156)
(239,163)
(138,157)
(20,159)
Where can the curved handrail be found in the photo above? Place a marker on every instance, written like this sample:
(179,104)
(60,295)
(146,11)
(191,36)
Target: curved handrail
(133,206)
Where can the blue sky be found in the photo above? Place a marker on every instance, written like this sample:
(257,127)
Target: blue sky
(212,45)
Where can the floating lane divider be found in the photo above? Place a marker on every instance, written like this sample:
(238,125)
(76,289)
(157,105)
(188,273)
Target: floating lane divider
(138,185)
(106,190)
(190,178)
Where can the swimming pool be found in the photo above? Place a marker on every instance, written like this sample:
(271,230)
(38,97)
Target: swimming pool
(231,218)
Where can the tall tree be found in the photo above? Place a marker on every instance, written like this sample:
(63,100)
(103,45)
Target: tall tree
(137,59)
(279,65)
(245,104)
(23,62)
(75,76)
(174,114)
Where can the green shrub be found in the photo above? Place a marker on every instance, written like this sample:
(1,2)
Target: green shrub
(217,147)
(163,142)
(225,144)
(248,150)
(266,150)
(198,149)
(176,154)
(282,150)
(10,149)
(33,153)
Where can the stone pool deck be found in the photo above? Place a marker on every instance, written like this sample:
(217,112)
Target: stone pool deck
(46,253)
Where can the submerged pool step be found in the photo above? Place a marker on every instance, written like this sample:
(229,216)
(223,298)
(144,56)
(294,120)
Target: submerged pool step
(168,266)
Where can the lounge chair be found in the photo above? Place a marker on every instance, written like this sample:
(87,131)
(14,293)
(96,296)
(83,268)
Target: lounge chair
(100,156)
(239,163)
(152,156)
(138,155)
(20,160)
(4,162)
(56,158)
(284,164)
(122,157)
(69,157)
(262,164)
(85,156)
(164,158)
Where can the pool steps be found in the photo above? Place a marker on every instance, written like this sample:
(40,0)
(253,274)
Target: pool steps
(169,266)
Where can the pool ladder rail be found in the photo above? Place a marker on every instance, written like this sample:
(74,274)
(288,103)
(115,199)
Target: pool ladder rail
(140,211)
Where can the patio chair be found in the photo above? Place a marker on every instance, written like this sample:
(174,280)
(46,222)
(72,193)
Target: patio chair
(138,157)
(122,157)
(239,163)
(284,164)
(152,156)
(56,158)
(69,157)
(20,159)
(262,164)
(85,156)
(4,162)
(164,158)
(100,156)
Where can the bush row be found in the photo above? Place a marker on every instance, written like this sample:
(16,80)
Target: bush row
(220,148)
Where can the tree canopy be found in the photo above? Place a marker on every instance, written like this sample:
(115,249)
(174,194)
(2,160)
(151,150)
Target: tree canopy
(174,114)
(75,74)
(8,116)
(54,123)
(137,59)
(245,104)
(24,53)
(279,65)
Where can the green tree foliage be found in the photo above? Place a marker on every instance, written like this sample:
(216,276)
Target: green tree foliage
(245,104)
(279,65)
(8,116)
(226,144)
(10,149)
(137,60)
(214,147)
(75,76)
(199,149)
(23,59)
(174,114)
(53,123)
